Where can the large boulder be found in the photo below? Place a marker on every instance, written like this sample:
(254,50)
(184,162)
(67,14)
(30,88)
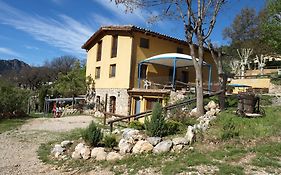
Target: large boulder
(112,156)
(190,135)
(98,153)
(142,146)
(132,135)
(79,147)
(154,140)
(180,140)
(86,152)
(76,155)
(163,146)
(125,146)
(177,148)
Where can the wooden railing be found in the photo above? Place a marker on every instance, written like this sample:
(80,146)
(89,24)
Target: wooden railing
(146,113)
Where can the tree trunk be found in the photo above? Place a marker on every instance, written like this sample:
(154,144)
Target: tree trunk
(199,92)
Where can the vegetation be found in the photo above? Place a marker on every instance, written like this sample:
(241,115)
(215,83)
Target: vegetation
(92,134)
(229,130)
(155,126)
(110,141)
(9,124)
(136,125)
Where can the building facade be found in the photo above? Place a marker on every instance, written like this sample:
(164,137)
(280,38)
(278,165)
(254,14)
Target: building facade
(113,54)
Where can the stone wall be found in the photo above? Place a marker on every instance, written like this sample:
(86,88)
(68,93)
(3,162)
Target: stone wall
(121,95)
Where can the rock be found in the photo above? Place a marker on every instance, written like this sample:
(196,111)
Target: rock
(132,135)
(125,146)
(116,131)
(163,146)
(58,149)
(113,156)
(154,140)
(79,147)
(191,148)
(57,154)
(98,154)
(190,134)
(86,152)
(177,148)
(193,112)
(218,111)
(211,105)
(66,143)
(76,155)
(142,146)
(180,140)
(212,112)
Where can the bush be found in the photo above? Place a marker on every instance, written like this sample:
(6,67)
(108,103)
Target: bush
(136,125)
(231,101)
(92,135)
(229,130)
(156,125)
(266,100)
(172,127)
(110,141)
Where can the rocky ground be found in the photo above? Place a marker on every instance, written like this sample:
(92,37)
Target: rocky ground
(18,148)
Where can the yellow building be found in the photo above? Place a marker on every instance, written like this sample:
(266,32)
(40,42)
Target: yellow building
(113,57)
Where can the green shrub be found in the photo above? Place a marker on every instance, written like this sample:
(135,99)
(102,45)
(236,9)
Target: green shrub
(229,130)
(172,127)
(266,100)
(136,125)
(231,101)
(92,134)
(110,141)
(156,125)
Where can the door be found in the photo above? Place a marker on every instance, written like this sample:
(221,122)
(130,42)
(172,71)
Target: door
(112,104)
(137,105)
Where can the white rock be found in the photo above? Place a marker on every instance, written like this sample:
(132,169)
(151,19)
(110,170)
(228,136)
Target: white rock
(66,143)
(212,112)
(125,146)
(163,146)
(113,156)
(193,112)
(211,105)
(99,114)
(58,149)
(154,140)
(217,111)
(180,140)
(76,155)
(142,146)
(98,154)
(116,131)
(190,134)
(57,154)
(86,152)
(177,148)
(132,134)
(79,147)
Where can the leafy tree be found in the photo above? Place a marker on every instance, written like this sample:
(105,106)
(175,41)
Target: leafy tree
(73,83)
(198,19)
(272,25)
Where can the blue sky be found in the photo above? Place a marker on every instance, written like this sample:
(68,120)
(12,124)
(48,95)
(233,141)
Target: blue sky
(38,30)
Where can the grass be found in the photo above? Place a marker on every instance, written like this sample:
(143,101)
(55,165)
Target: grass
(256,138)
(9,124)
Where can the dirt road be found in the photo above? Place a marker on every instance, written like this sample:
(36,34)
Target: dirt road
(18,148)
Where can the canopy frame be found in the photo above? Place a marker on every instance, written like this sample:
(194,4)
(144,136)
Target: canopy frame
(175,57)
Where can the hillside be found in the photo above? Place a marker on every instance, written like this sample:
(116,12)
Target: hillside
(14,65)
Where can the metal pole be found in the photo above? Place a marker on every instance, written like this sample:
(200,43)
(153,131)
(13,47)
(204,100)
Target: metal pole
(174,72)
(139,74)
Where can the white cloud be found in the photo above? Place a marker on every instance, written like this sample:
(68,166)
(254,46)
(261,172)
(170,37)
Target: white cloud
(119,12)
(8,51)
(103,21)
(64,33)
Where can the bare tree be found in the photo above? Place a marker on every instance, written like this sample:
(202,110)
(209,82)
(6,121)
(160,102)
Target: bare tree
(62,64)
(244,55)
(198,18)
(261,62)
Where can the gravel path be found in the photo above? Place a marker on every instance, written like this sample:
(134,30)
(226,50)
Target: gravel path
(18,148)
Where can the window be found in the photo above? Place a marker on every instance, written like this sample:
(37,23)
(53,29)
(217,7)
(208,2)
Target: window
(112,71)
(143,71)
(179,50)
(99,51)
(97,73)
(144,43)
(150,102)
(114,45)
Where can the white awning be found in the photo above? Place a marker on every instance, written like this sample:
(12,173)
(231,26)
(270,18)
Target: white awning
(168,59)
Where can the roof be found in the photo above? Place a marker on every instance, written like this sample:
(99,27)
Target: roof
(126,30)
(182,60)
